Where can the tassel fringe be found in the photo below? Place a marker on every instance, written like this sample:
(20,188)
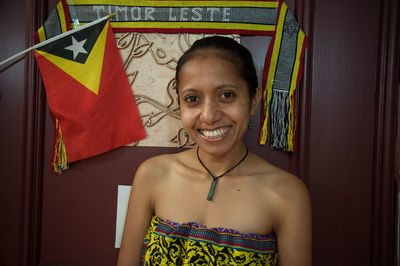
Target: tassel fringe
(292,121)
(280,105)
(60,162)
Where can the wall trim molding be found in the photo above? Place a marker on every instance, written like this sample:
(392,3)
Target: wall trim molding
(304,11)
(34,118)
(383,185)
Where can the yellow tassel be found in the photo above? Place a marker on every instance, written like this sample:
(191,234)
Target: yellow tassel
(292,123)
(264,129)
(60,162)
(291,128)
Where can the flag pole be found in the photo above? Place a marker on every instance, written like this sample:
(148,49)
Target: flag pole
(55,38)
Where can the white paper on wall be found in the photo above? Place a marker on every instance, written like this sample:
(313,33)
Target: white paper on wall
(122,206)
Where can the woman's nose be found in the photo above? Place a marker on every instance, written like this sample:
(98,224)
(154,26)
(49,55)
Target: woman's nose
(210,112)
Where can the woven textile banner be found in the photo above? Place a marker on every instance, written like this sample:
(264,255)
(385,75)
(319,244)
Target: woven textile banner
(283,63)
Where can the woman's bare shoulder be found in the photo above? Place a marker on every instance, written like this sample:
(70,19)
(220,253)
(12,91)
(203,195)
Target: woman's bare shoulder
(160,166)
(288,196)
(290,203)
(282,183)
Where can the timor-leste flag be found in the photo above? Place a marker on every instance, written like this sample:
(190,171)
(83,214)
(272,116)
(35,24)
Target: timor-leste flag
(88,92)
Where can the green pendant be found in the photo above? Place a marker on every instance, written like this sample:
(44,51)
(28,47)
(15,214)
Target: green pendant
(212,188)
(215,179)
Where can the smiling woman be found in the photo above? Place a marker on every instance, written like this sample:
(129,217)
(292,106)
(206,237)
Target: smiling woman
(219,203)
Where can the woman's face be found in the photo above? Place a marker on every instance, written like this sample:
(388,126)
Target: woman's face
(214,101)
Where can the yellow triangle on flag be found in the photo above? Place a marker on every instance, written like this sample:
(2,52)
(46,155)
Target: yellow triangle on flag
(89,73)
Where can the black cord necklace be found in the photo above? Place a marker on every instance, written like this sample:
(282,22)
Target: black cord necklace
(215,178)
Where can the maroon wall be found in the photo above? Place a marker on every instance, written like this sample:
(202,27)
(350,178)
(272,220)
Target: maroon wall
(12,130)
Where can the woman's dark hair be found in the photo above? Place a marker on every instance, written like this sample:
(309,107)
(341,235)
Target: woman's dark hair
(232,51)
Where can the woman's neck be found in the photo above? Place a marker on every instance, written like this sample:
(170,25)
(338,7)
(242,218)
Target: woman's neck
(219,164)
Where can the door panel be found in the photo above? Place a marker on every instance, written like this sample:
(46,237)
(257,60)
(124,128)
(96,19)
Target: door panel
(342,129)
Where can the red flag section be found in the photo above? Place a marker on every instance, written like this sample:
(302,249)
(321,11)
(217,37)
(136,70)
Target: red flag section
(93,118)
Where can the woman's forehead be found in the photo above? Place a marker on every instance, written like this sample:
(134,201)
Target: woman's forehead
(214,55)
(209,64)
(215,52)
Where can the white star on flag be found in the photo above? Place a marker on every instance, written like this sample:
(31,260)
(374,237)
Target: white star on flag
(77,47)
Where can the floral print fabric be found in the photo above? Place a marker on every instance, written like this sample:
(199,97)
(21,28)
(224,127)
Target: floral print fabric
(170,243)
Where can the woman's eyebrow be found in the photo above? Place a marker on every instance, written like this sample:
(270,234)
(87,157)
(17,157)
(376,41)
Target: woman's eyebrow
(222,86)
(188,91)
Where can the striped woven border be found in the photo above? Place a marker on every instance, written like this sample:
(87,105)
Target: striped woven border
(217,236)
(276,52)
(241,17)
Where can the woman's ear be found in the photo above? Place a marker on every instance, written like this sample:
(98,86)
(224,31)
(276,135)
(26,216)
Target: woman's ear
(254,101)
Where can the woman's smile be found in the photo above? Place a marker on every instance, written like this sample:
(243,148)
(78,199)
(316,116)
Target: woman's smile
(215,134)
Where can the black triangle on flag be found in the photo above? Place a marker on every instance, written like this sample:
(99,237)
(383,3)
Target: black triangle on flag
(77,46)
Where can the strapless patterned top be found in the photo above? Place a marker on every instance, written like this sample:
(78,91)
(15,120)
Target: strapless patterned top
(170,243)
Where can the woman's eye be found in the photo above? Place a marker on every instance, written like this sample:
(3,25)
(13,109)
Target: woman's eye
(227,95)
(191,98)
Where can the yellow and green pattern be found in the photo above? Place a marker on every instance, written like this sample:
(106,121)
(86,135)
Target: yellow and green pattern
(170,243)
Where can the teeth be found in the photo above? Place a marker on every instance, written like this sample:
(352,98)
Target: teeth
(217,133)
